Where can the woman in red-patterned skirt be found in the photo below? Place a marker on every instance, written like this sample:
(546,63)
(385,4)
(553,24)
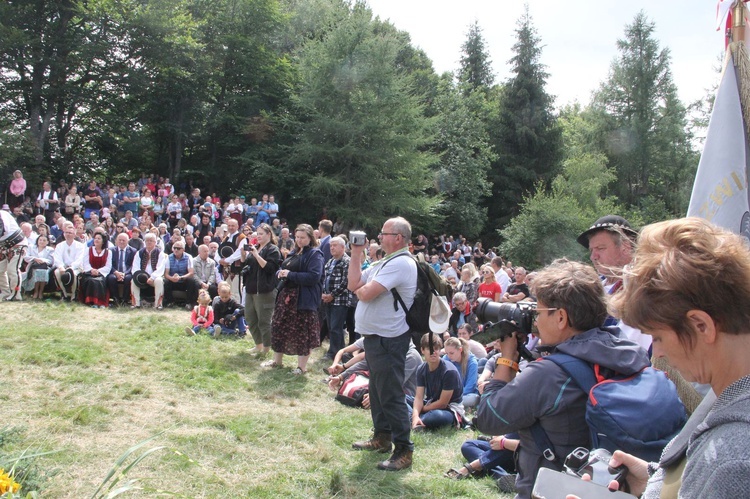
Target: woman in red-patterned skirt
(294,327)
(97,262)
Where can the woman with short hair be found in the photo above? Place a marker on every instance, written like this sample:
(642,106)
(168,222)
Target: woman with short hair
(688,287)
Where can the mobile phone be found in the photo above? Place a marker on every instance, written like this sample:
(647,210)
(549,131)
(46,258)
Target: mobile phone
(552,484)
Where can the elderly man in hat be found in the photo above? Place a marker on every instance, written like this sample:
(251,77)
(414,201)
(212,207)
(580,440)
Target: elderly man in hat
(610,242)
(69,255)
(151,261)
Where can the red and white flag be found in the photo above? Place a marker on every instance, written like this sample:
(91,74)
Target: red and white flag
(720,192)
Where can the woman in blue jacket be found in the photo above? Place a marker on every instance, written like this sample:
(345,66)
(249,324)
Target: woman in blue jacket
(294,327)
(457,351)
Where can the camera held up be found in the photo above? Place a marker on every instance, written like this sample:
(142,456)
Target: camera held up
(501,320)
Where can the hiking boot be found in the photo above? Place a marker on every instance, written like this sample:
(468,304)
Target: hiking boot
(380,442)
(399,460)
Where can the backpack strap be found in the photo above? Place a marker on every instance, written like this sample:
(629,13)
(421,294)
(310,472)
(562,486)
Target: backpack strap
(397,297)
(583,375)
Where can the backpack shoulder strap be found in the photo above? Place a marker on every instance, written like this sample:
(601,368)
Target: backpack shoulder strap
(397,297)
(583,375)
(581,371)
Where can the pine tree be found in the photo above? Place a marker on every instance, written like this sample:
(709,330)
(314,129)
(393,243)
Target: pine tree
(644,126)
(360,129)
(527,137)
(476,67)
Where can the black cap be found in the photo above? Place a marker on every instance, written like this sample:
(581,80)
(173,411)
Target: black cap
(610,223)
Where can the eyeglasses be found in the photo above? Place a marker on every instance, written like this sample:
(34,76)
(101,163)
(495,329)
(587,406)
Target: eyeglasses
(388,234)
(178,249)
(120,226)
(536,311)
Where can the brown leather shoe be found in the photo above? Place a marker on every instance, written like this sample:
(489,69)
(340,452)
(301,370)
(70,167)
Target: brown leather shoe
(380,442)
(399,460)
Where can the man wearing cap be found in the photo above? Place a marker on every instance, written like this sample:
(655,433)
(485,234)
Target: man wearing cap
(610,242)
(119,279)
(12,250)
(151,261)
(68,262)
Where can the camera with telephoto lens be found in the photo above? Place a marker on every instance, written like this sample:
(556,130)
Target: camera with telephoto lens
(594,463)
(357,238)
(501,320)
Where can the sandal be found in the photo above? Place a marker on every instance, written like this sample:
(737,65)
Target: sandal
(271,363)
(455,474)
(298,371)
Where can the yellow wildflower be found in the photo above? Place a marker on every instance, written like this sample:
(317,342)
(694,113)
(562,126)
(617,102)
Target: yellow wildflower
(7,484)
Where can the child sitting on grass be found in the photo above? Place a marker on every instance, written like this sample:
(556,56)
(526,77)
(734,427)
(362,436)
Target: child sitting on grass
(202,315)
(229,316)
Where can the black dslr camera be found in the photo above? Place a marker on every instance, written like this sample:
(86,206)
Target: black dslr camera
(500,320)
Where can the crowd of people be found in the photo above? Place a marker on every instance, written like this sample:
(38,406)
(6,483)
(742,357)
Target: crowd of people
(238,268)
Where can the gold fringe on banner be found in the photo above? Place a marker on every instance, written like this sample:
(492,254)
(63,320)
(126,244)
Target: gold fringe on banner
(741,58)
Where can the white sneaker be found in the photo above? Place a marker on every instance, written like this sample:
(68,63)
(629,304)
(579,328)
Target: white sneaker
(189,331)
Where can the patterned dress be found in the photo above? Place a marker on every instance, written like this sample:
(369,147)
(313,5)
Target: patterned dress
(293,332)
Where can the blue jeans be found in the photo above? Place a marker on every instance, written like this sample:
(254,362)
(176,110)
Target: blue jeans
(205,329)
(496,462)
(386,358)
(238,323)
(436,418)
(336,315)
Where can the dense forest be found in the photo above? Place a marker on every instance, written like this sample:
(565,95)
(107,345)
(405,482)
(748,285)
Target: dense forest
(331,108)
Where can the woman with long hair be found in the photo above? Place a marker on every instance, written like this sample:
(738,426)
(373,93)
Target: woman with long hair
(97,262)
(295,329)
(489,287)
(261,262)
(458,352)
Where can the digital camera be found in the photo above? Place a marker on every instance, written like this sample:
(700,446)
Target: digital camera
(595,463)
(357,238)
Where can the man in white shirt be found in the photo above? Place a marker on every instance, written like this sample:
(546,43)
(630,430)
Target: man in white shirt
(69,255)
(150,260)
(501,276)
(12,251)
(235,239)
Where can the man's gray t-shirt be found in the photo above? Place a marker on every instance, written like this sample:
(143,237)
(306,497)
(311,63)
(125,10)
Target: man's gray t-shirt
(378,316)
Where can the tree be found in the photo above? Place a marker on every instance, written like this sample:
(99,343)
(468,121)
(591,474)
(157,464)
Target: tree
(57,59)
(359,128)
(551,218)
(465,156)
(476,67)
(527,138)
(644,126)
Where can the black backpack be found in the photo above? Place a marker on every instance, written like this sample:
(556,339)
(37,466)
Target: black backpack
(429,284)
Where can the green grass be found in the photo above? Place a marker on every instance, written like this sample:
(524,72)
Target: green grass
(91,384)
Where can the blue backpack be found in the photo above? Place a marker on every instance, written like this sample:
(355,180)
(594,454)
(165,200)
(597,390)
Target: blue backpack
(638,414)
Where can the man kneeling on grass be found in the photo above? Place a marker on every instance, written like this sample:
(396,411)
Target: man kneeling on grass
(437,402)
